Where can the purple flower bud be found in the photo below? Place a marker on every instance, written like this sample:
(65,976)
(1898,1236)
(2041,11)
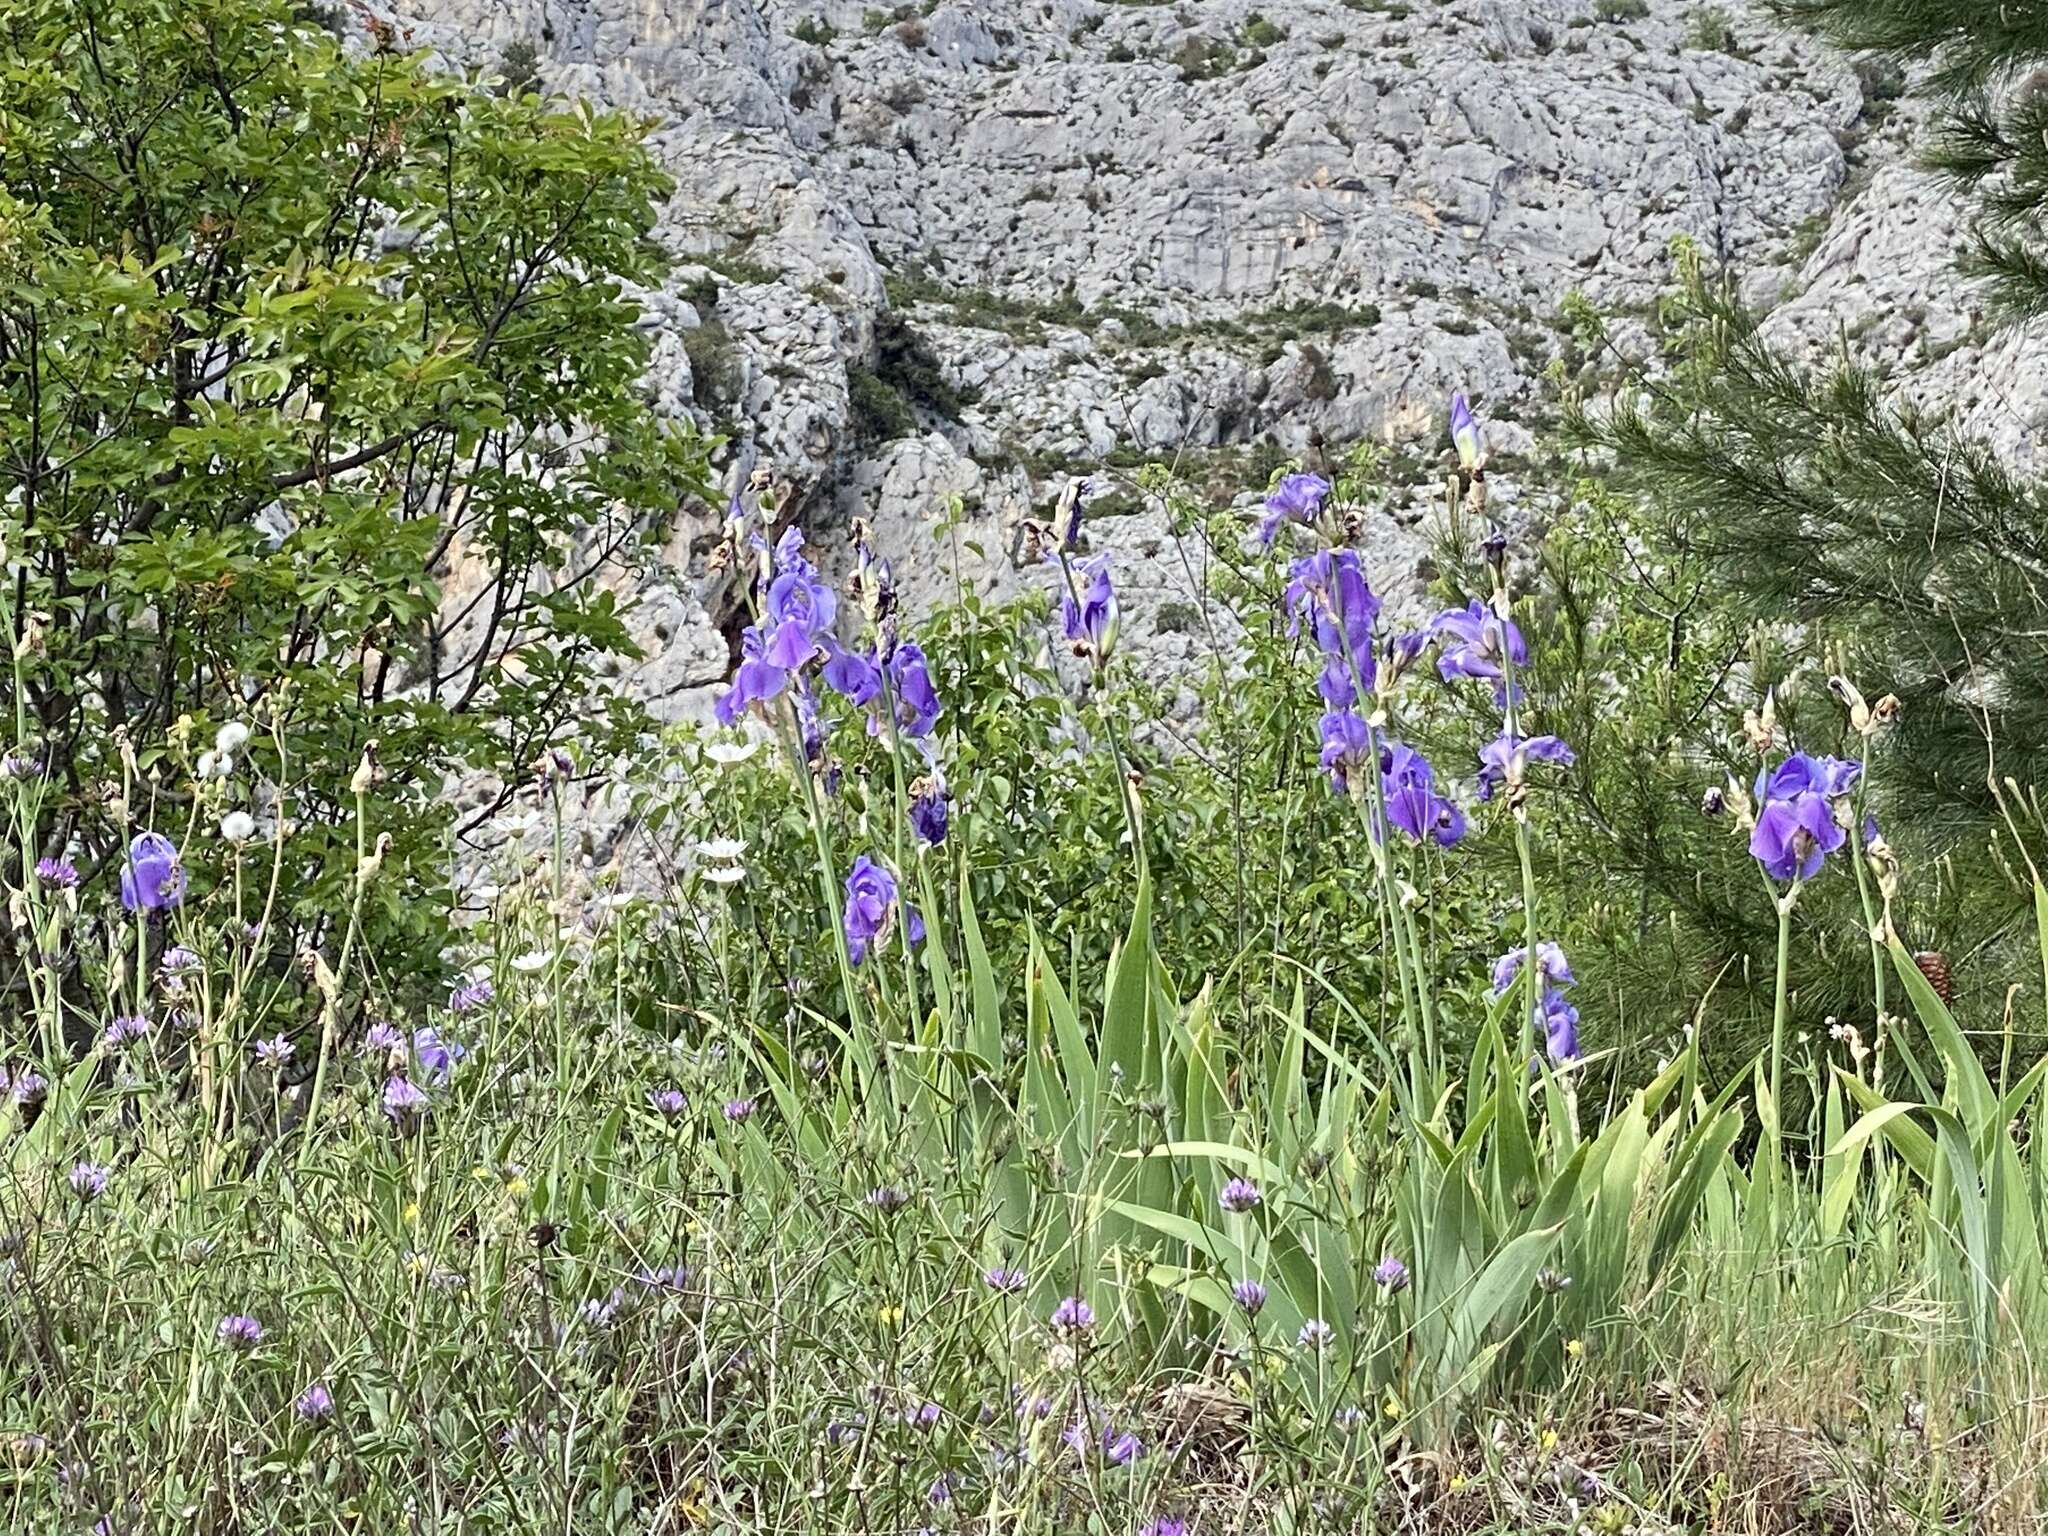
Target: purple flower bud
(274,1053)
(669,1103)
(1390,1274)
(315,1405)
(404,1103)
(1250,1295)
(1315,1334)
(1008,1281)
(471,993)
(88,1180)
(738,1111)
(1465,433)
(870,906)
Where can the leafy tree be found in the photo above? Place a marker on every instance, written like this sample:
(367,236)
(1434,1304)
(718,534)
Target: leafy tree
(318,403)
(1879,540)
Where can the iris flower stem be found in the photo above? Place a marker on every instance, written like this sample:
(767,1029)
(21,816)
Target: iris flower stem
(1532,971)
(1870,931)
(1779,1010)
(902,820)
(1119,762)
(827,881)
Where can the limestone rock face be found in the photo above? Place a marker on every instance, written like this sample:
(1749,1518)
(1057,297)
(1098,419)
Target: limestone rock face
(1107,232)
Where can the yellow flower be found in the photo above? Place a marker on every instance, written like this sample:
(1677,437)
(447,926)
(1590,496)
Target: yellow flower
(1459,1482)
(692,1506)
(1391,1405)
(1546,1442)
(889,1315)
(517,1187)
(412,1212)
(1575,1347)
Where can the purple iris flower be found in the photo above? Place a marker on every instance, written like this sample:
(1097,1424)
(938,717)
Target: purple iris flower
(851,675)
(870,905)
(1413,804)
(1090,620)
(929,808)
(1560,1027)
(1465,433)
(795,627)
(1503,759)
(1480,641)
(910,682)
(1347,750)
(1330,589)
(1121,1449)
(61,873)
(1296,499)
(437,1055)
(152,879)
(1550,961)
(1796,828)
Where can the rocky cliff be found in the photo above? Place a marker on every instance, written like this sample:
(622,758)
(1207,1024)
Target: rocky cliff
(966,248)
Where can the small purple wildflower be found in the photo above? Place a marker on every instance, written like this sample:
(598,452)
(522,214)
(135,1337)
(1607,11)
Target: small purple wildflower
(1315,1334)
(274,1053)
(471,993)
(739,1111)
(61,873)
(240,1331)
(29,1086)
(381,1039)
(1250,1295)
(888,1199)
(1390,1275)
(1073,1315)
(1120,1450)
(125,1030)
(404,1102)
(315,1405)
(437,1055)
(669,1103)
(88,1180)
(1165,1525)
(1007,1281)
(1505,759)
(1239,1196)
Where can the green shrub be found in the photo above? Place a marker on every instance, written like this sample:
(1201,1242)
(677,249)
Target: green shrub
(317,362)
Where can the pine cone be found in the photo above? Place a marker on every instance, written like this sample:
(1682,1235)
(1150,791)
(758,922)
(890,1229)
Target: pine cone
(1934,966)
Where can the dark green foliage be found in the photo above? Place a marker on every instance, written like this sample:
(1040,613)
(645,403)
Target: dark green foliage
(1258,32)
(813,30)
(880,413)
(252,429)
(518,68)
(1621,10)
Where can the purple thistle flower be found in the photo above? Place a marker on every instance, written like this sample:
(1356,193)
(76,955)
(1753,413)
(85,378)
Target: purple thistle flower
(1465,434)
(888,1199)
(404,1102)
(1550,961)
(668,1103)
(152,879)
(124,1030)
(1006,1281)
(1390,1274)
(870,906)
(1238,1196)
(274,1053)
(1315,1334)
(315,1405)
(1073,1315)
(470,994)
(1296,499)
(1090,617)
(1250,1295)
(1796,828)
(240,1331)
(1503,760)
(738,1111)
(61,873)
(88,1180)
(381,1039)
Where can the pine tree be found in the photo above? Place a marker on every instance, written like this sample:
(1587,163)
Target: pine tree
(1886,544)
